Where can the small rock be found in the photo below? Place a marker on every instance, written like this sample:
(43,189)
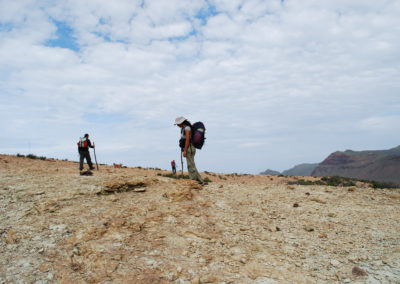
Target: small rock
(151,262)
(295,205)
(58,227)
(335,262)
(208,279)
(265,280)
(11,237)
(352,258)
(309,229)
(373,280)
(171,276)
(318,200)
(24,263)
(377,263)
(323,236)
(358,271)
(274,229)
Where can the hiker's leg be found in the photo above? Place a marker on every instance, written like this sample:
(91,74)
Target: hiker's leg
(81,157)
(193,173)
(89,160)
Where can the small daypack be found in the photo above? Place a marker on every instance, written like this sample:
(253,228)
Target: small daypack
(198,135)
(82,143)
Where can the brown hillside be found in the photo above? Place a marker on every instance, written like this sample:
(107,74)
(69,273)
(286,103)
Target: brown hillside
(383,166)
(131,225)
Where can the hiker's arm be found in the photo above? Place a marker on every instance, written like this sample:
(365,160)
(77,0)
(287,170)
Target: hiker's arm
(90,144)
(187,142)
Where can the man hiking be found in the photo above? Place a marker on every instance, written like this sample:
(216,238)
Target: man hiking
(83,149)
(188,150)
(173,166)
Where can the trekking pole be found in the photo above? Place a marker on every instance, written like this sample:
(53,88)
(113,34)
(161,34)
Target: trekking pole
(94,152)
(181,164)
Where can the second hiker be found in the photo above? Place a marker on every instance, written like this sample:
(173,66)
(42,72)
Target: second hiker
(83,148)
(188,150)
(173,166)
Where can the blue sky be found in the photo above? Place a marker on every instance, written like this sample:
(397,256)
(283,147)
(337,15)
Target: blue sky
(277,83)
(64,37)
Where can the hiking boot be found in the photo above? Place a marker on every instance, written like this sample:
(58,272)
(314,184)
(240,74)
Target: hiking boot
(86,173)
(92,168)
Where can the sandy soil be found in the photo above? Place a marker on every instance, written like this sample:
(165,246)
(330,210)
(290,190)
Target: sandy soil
(131,225)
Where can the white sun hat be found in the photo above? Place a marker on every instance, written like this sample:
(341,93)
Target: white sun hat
(179,120)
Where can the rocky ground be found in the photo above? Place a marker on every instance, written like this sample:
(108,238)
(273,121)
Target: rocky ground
(132,225)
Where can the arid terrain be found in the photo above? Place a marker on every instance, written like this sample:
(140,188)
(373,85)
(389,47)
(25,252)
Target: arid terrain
(132,225)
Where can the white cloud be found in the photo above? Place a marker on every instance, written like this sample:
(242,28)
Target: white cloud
(270,79)
(381,123)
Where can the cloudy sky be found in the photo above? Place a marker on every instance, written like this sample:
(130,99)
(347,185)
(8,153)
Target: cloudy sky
(277,83)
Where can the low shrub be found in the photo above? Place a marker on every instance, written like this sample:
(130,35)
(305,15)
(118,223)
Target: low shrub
(338,181)
(34,157)
(207,180)
(170,175)
(343,181)
(329,181)
(378,184)
(304,182)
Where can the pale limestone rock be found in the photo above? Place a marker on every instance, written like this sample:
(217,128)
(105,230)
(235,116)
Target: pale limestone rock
(66,233)
(335,262)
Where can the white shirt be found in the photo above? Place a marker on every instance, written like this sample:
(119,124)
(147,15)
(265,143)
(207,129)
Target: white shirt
(186,128)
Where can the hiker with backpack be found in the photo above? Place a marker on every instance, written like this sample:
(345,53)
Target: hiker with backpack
(83,148)
(173,166)
(192,137)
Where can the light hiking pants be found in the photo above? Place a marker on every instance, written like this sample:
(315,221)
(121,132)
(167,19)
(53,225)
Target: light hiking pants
(193,173)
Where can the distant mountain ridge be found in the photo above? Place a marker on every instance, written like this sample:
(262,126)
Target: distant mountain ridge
(301,170)
(298,170)
(373,165)
(378,165)
(270,172)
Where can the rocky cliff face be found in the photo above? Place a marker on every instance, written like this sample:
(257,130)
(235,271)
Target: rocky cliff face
(381,166)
